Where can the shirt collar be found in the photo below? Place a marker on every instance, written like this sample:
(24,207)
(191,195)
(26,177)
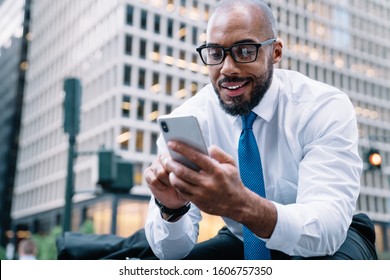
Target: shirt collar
(267,106)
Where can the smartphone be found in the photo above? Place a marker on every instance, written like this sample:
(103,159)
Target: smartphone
(185,129)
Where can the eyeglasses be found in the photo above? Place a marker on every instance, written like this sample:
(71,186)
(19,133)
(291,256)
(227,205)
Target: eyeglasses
(241,52)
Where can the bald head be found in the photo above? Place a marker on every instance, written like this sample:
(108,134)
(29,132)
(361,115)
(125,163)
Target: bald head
(268,28)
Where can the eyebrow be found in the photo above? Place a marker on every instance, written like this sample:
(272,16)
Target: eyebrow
(237,42)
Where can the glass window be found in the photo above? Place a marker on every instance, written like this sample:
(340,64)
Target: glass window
(194,88)
(126,105)
(157,19)
(141,109)
(142,49)
(124,138)
(144,19)
(139,142)
(156,77)
(206,13)
(182,91)
(128,44)
(168,85)
(182,32)
(156,88)
(169,51)
(129,14)
(170,28)
(194,61)
(194,36)
(153,144)
(154,114)
(156,52)
(127,75)
(169,59)
(141,78)
(182,55)
(170,5)
(168,109)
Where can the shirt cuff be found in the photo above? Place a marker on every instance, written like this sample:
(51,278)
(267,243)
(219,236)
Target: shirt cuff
(177,229)
(287,230)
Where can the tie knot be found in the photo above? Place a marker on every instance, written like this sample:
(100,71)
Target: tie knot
(247,120)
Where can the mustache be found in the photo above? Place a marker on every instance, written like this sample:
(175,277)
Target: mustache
(232,80)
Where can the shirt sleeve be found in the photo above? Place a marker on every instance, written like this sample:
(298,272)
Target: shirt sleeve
(328,184)
(175,240)
(171,240)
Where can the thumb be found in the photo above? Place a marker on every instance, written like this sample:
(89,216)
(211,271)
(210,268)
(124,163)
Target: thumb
(221,156)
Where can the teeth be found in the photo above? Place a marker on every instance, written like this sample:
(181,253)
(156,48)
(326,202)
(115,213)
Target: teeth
(233,88)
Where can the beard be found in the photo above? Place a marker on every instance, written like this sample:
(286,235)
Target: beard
(240,105)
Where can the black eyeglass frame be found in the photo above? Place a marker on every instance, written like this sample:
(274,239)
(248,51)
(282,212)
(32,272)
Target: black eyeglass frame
(226,50)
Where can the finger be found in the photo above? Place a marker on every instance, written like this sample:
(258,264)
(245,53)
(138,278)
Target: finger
(183,188)
(219,155)
(160,170)
(153,181)
(187,174)
(200,159)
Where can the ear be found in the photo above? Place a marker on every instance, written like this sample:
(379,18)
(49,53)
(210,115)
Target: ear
(277,51)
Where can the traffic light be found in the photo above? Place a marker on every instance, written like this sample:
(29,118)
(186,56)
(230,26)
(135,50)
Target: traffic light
(115,174)
(374,159)
(72,88)
(107,168)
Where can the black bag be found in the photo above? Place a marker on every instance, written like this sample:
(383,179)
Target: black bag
(78,246)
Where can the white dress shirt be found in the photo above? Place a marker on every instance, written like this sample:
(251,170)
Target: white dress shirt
(308,141)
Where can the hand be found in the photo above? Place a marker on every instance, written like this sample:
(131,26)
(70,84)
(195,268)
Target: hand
(216,189)
(156,177)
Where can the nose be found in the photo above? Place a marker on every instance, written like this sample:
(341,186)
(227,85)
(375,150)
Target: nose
(229,66)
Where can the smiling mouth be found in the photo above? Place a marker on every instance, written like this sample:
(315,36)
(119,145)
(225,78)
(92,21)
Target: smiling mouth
(234,88)
(233,85)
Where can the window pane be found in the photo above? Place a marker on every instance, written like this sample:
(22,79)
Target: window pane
(124,138)
(142,49)
(154,114)
(140,109)
(194,36)
(157,19)
(153,148)
(141,78)
(168,85)
(139,142)
(144,19)
(170,28)
(128,44)
(182,32)
(126,106)
(129,15)
(127,75)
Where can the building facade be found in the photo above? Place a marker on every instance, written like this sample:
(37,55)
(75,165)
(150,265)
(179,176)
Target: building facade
(137,60)
(14,21)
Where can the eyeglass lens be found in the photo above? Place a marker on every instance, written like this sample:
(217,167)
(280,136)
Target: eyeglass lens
(240,53)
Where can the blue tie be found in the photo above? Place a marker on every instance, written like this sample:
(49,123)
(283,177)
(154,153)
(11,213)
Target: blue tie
(252,176)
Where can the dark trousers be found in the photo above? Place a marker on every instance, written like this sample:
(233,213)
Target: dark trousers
(359,245)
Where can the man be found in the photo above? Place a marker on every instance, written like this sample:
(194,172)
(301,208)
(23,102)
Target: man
(306,134)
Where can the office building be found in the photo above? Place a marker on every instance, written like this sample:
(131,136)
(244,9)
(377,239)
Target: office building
(137,60)
(14,21)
